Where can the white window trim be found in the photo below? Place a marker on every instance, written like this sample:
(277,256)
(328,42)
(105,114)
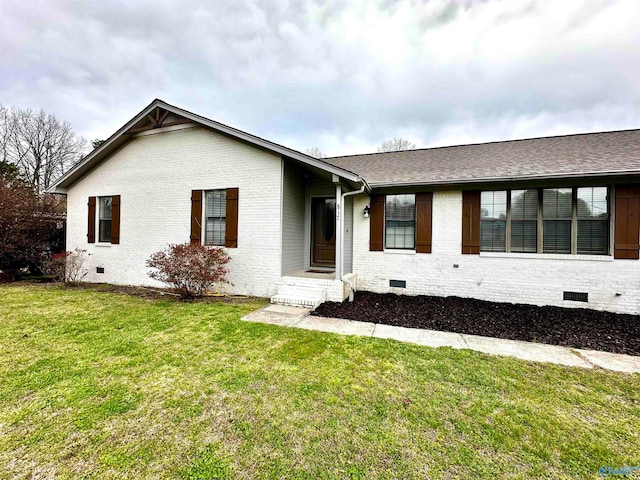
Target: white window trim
(203,221)
(549,256)
(408,251)
(102,243)
(399,251)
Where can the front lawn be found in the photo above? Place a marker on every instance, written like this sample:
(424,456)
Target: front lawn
(105,385)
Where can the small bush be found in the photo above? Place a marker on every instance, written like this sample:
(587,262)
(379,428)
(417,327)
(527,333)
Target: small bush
(66,267)
(54,266)
(191,269)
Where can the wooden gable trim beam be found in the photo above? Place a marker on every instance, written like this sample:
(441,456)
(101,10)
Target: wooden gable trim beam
(149,127)
(163,117)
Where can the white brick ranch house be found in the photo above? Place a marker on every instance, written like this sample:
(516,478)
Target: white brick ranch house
(545,221)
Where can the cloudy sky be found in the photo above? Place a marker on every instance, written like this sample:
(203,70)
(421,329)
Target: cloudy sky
(336,74)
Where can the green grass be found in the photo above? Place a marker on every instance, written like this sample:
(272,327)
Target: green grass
(101,385)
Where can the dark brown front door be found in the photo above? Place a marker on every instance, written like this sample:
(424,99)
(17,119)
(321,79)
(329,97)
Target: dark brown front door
(323,232)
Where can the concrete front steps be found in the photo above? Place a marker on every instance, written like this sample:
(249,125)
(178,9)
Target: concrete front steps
(297,296)
(309,292)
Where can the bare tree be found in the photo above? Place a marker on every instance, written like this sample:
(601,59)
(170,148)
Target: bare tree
(39,144)
(396,145)
(315,152)
(6,129)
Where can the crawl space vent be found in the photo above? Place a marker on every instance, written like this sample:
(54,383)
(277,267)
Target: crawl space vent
(576,296)
(398,283)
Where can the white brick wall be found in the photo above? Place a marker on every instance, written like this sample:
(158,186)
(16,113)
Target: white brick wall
(517,278)
(154,174)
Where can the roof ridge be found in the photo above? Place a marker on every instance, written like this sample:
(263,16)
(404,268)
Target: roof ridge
(484,143)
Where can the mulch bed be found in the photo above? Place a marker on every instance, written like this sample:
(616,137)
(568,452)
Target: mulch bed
(570,327)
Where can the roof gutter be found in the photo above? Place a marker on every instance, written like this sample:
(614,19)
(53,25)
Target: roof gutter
(507,179)
(362,189)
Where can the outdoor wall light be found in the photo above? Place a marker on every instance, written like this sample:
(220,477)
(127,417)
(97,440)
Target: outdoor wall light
(366,211)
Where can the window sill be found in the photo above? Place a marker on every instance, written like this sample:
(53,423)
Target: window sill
(395,251)
(549,256)
(102,244)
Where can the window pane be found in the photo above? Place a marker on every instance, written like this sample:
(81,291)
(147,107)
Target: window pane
(556,203)
(593,237)
(524,204)
(104,219)
(593,220)
(524,221)
(329,220)
(400,234)
(493,216)
(493,205)
(524,236)
(492,235)
(104,231)
(216,213)
(105,208)
(400,221)
(215,231)
(592,203)
(557,236)
(401,207)
(217,203)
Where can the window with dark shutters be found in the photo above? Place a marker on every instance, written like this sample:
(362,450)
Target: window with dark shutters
(470,222)
(227,213)
(627,223)
(106,210)
(424,208)
(376,223)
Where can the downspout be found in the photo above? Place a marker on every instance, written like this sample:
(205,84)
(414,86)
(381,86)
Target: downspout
(344,195)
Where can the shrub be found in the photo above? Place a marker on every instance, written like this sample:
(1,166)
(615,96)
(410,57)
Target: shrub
(28,222)
(66,266)
(191,269)
(54,266)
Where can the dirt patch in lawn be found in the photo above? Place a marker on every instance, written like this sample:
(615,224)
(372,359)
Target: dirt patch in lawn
(571,327)
(142,292)
(161,293)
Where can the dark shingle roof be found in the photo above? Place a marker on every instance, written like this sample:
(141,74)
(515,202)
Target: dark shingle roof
(588,154)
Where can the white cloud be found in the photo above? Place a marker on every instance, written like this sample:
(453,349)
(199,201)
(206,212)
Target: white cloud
(340,75)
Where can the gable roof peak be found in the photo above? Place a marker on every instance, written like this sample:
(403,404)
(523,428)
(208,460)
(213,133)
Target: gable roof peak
(145,121)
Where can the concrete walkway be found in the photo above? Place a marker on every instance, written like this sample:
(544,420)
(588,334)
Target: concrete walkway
(537,352)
